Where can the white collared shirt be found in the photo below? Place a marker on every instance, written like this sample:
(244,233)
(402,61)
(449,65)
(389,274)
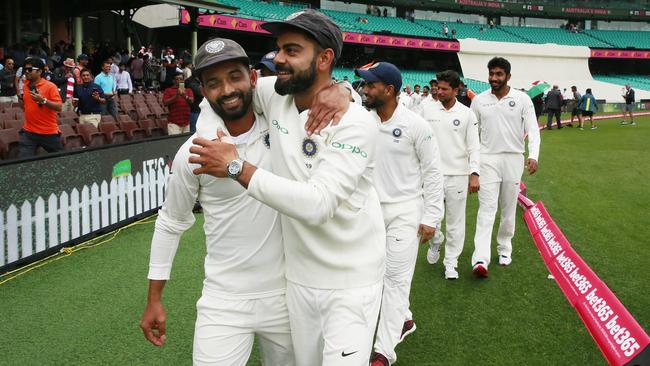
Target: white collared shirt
(504,124)
(407,165)
(245,257)
(456,131)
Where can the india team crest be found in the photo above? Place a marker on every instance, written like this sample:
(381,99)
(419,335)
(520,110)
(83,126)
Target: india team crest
(456,122)
(397,132)
(512,103)
(309,147)
(214,46)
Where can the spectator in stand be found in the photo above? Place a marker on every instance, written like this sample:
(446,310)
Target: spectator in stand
(194,84)
(445,30)
(82,63)
(42,101)
(629,105)
(89,98)
(67,87)
(587,107)
(187,70)
(178,100)
(553,107)
(107,82)
(47,73)
(453,32)
(137,69)
(266,66)
(123,81)
(19,82)
(465,95)
(169,63)
(115,68)
(7,82)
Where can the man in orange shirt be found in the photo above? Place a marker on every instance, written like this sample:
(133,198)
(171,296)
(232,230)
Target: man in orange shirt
(42,101)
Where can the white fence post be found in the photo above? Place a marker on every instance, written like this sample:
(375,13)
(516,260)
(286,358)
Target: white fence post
(104,197)
(113,197)
(138,193)
(74,213)
(121,197)
(26,228)
(85,210)
(129,196)
(39,223)
(12,234)
(145,191)
(52,220)
(65,218)
(152,189)
(94,207)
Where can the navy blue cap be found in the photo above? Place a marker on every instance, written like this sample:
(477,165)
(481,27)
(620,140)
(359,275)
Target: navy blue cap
(385,72)
(83,56)
(267,61)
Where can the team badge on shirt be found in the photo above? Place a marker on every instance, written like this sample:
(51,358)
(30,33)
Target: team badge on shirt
(309,147)
(267,140)
(456,122)
(512,103)
(397,132)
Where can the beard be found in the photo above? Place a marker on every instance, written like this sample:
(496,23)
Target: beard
(298,82)
(499,85)
(233,114)
(374,103)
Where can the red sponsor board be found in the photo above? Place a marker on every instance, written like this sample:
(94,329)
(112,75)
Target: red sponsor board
(480,4)
(251,25)
(640,55)
(618,335)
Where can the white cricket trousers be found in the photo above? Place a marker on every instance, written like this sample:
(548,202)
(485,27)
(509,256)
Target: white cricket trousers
(455,190)
(333,327)
(225,329)
(500,177)
(402,221)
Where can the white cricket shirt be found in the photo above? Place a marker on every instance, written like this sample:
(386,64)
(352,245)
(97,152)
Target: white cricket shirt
(332,222)
(245,257)
(456,131)
(407,163)
(504,123)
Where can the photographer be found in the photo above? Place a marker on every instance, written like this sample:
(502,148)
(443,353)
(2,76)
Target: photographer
(89,97)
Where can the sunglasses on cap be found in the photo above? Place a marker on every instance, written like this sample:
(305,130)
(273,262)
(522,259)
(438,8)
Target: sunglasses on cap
(30,69)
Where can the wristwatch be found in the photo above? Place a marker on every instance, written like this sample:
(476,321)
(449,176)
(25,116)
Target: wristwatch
(235,168)
(43,102)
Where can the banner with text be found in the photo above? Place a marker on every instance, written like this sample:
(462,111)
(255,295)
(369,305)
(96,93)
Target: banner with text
(252,25)
(618,335)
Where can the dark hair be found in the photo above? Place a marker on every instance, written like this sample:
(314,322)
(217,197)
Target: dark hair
(416,85)
(426,87)
(35,62)
(107,61)
(499,62)
(9,58)
(450,76)
(85,70)
(588,90)
(433,81)
(574,87)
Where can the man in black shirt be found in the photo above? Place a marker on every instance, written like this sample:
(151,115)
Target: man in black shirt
(193,83)
(89,97)
(629,105)
(7,82)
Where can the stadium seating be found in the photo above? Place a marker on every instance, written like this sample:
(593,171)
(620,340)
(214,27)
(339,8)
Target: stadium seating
(636,81)
(412,77)
(17,124)
(91,135)
(9,143)
(363,23)
(69,138)
(151,129)
(133,132)
(113,133)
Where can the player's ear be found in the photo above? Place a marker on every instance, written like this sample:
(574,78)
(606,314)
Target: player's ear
(253,76)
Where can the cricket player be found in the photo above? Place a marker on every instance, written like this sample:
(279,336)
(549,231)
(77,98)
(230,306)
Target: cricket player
(332,223)
(456,129)
(409,183)
(506,116)
(244,288)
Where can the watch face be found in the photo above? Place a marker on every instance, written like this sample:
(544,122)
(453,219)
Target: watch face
(234,167)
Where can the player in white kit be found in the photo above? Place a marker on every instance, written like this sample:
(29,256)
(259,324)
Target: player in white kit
(505,117)
(332,223)
(409,183)
(244,287)
(456,128)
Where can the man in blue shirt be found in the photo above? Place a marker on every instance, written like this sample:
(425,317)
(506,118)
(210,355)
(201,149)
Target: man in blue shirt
(107,82)
(89,98)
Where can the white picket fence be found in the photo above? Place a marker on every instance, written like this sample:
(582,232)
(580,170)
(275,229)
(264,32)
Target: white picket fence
(35,226)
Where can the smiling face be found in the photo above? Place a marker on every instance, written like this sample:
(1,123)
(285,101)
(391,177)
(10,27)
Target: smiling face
(298,62)
(498,79)
(228,87)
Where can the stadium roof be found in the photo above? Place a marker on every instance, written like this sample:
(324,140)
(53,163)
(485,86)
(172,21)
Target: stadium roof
(81,7)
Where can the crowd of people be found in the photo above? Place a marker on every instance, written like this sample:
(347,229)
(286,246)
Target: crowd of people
(315,218)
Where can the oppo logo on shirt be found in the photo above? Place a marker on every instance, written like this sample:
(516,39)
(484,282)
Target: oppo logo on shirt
(349,148)
(283,130)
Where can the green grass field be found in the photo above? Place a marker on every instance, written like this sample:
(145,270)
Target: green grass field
(85,308)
